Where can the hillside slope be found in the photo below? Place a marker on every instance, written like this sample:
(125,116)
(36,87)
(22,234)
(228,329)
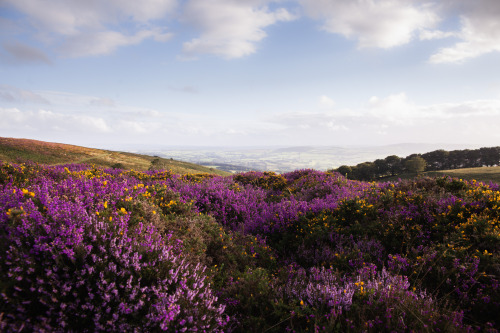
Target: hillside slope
(22,150)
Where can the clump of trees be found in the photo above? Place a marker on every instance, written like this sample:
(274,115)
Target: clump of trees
(416,163)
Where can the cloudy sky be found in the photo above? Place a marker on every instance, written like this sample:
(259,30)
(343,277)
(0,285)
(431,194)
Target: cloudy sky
(250,72)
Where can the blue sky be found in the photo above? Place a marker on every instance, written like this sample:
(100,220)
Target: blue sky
(250,72)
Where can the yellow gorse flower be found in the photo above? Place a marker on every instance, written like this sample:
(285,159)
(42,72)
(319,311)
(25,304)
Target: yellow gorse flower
(28,193)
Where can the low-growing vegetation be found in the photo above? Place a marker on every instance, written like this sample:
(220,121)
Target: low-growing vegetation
(85,248)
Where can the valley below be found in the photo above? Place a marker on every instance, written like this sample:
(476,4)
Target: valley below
(286,159)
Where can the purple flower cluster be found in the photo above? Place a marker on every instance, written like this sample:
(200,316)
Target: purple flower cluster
(71,261)
(84,248)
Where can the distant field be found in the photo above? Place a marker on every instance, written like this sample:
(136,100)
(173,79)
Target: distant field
(483,174)
(22,150)
(285,159)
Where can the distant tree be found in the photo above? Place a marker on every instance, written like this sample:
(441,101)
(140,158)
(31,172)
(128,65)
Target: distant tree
(456,159)
(470,158)
(381,168)
(394,164)
(415,164)
(437,159)
(490,156)
(364,171)
(344,170)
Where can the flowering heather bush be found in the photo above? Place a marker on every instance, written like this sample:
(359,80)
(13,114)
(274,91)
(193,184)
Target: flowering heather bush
(70,261)
(85,248)
(368,301)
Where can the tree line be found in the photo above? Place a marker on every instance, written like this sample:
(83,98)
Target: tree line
(415,163)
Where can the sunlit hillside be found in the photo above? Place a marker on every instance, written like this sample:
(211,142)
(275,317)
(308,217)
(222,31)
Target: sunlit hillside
(22,150)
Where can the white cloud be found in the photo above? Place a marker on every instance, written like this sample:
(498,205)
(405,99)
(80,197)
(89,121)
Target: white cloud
(135,127)
(46,120)
(467,109)
(71,17)
(12,94)
(380,120)
(395,108)
(326,102)
(10,116)
(230,28)
(311,120)
(91,27)
(374,23)
(28,122)
(391,119)
(73,114)
(436,34)
(398,108)
(105,42)
(332,125)
(479,31)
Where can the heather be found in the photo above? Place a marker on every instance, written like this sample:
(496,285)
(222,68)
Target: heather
(84,248)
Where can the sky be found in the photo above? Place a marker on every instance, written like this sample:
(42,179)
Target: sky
(250,72)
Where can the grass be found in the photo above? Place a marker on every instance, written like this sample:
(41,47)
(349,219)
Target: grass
(21,150)
(483,174)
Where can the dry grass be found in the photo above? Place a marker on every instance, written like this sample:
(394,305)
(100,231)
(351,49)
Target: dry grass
(484,174)
(22,150)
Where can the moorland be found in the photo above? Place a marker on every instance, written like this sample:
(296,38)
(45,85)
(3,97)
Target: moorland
(103,248)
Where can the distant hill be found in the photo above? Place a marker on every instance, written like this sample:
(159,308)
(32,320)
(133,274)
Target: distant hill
(285,159)
(22,150)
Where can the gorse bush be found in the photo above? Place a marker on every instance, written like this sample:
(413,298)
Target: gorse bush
(91,249)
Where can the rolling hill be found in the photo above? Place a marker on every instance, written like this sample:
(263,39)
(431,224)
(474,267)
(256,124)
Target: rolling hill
(22,150)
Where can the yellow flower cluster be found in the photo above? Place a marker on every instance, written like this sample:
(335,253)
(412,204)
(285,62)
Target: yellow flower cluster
(28,193)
